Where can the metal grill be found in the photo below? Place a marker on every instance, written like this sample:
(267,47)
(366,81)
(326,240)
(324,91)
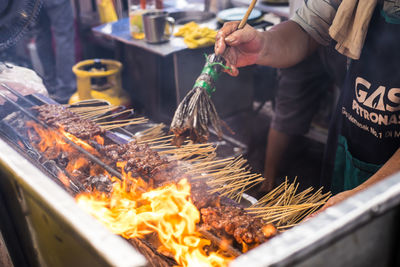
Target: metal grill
(53,231)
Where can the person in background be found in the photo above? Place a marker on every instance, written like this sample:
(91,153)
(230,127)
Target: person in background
(301,89)
(56,23)
(364,138)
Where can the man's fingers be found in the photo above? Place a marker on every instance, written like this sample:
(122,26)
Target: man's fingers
(237,46)
(324,207)
(233,71)
(245,35)
(220,46)
(225,31)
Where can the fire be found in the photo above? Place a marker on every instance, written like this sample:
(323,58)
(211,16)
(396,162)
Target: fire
(167,211)
(134,209)
(78,141)
(54,140)
(64,179)
(76,164)
(99,139)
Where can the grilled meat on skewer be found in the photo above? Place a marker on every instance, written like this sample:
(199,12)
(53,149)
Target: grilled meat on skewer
(57,115)
(140,161)
(233,221)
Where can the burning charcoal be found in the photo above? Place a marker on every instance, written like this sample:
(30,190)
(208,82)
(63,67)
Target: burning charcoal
(52,167)
(79,175)
(63,159)
(52,153)
(99,183)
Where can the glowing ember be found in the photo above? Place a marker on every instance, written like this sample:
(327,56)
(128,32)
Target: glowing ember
(64,179)
(167,211)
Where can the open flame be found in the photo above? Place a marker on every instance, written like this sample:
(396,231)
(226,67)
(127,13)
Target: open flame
(53,140)
(167,211)
(135,210)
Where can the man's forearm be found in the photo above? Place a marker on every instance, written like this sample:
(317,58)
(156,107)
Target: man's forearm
(285,45)
(390,167)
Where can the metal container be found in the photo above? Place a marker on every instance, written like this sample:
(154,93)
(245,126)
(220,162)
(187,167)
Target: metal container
(154,23)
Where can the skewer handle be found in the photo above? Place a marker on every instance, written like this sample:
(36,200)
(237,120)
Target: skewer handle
(246,16)
(241,26)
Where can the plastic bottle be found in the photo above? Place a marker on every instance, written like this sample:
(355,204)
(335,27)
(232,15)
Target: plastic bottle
(106,11)
(136,10)
(159,4)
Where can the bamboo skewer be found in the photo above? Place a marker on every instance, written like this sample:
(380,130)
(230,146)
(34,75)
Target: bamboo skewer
(157,139)
(286,208)
(141,119)
(114,126)
(246,16)
(151,133)
(112,115)
(230,177)
(91,112)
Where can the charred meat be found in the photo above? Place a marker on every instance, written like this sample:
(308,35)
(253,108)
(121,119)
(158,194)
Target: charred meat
(140,161)
(233,221)
(57,115)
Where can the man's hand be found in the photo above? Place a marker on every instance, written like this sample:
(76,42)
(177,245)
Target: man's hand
(284,45)
(389,168)
(239,47)
(333,201)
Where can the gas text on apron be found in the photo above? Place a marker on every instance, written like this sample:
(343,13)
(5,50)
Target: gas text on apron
(365,131)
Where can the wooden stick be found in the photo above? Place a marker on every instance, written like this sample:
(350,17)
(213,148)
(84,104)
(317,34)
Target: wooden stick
(110,127)
(232,251)
(123,121)
(112,115)
(156,131)
(246,16)
(229,177)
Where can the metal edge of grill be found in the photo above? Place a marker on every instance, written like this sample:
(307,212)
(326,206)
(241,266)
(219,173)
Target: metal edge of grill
(317,241)
(42,195)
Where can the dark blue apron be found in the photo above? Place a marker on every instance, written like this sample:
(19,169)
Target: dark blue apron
(365,131)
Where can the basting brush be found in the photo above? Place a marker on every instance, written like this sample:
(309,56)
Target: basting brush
(197,111)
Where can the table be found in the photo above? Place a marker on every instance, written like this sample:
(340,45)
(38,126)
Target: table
(119,31)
